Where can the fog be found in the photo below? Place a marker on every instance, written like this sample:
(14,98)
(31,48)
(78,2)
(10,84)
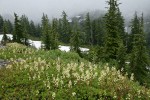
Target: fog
(34,8)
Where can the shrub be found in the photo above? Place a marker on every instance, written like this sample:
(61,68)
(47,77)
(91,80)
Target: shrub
(53,77)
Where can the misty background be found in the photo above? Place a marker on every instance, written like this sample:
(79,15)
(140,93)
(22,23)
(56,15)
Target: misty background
(53,8)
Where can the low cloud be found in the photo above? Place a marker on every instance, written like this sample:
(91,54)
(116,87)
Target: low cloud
(34,8)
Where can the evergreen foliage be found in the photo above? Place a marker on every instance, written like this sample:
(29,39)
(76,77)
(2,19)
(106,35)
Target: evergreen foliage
(60,29)
(25,23)
(1,23)
(38,31)
(134,30)
(18,30)
(113,42)
(32,29)
(66,29)
(50,33)
(54,35)
(75,39)
(25,37)
(9,26)
(46,32)
(147,30)
(25,29)
(98,31)
(139,55)
(105,36)
(121,27)
(5,38)
(88,30)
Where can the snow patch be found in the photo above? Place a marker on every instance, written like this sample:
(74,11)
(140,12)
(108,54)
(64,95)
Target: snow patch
(38,44)
(84,49)
(127,62)
(8,35)
(64,48)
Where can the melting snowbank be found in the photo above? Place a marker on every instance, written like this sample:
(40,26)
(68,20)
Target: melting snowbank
(8,35)
(38,44)
(64,48)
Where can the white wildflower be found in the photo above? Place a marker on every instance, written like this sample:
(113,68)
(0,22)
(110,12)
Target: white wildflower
(39,59)
(139,91)
(103,73)
(122,69)
(48,85)
(115,97)
(70,84)
(42,68)
(34,77)
(53,95)
(56,81)
(39,77)
(81,69)
(107,69)
(37,92)
(73,94)
(95,75)
(61,82)
(58,67)
(75,82)
(132,77)
(113,69)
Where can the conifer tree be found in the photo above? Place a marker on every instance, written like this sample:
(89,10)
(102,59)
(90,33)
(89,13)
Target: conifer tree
(26,36)
(32,29)
(54,34)
(88,30)
(60,27)
(5,38)
(139,60)
(121,27)
(66,29)
(9,26)
(147,31)
(1,23)
(18,31)
(75,39)
(25,24)
(46,32)
(38,31)
(113,42)
(123,35)
(98,31)
(134,29)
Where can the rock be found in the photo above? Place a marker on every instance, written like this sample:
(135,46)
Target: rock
(3,63)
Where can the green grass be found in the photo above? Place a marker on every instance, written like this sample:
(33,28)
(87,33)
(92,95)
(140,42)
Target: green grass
(39,74)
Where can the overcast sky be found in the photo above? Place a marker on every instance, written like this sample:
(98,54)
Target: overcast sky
(34,8)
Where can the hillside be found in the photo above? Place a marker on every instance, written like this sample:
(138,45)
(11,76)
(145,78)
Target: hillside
(39,74)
